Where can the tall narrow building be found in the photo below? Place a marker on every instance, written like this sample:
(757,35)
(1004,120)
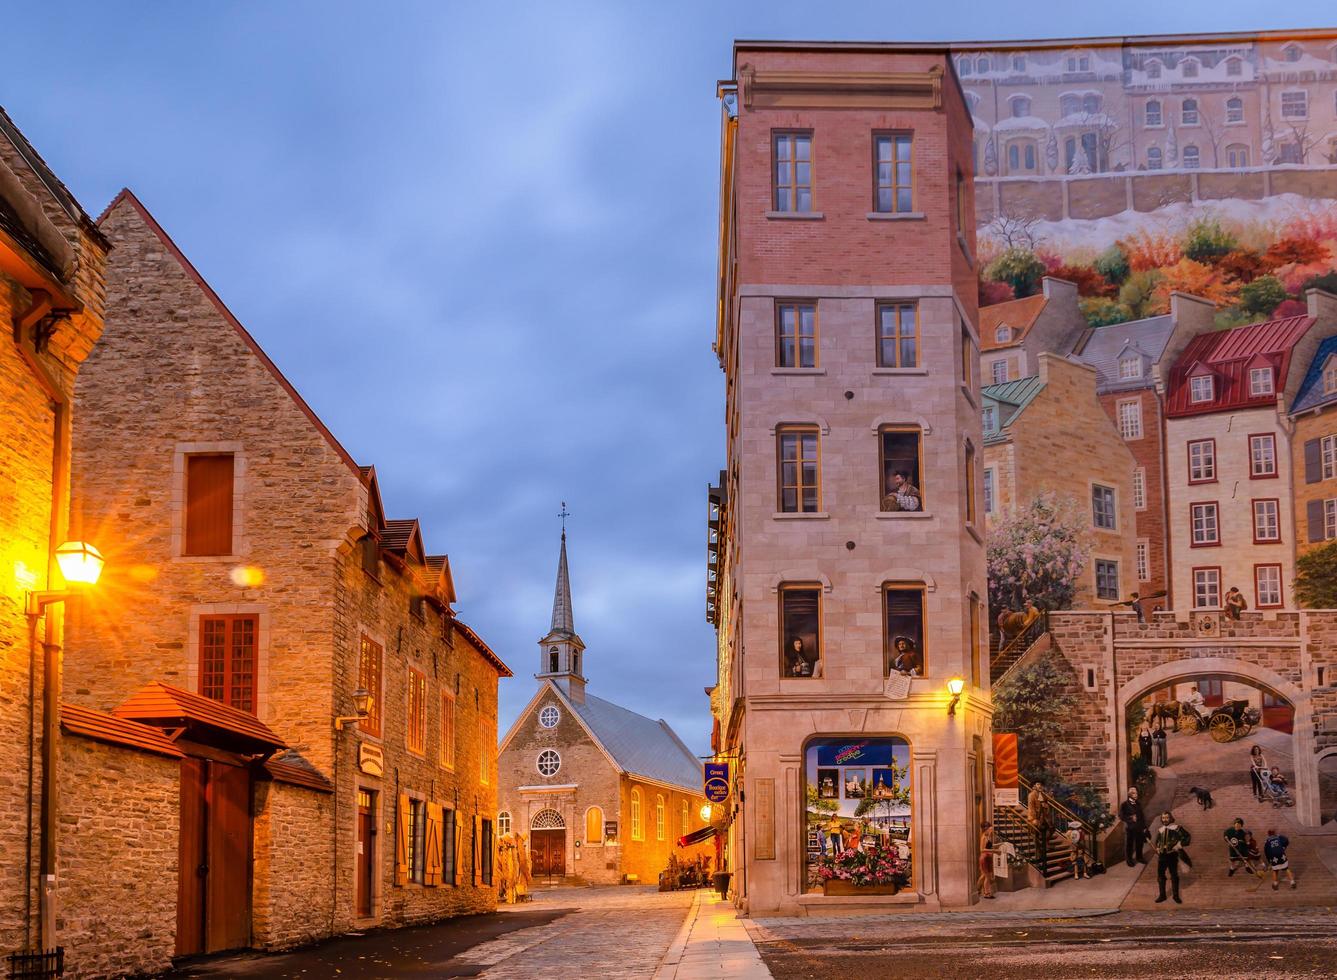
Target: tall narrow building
(847,573)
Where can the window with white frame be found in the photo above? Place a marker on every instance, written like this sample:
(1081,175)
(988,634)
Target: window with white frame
(1234,69)
(1266,520)
(1003,334)
(1330,519)
(1205,524)
(1140,488)
(1260,382)
(1206,588)
(659,816)
(1143,561)
(1192,158)
(1295,105)
(1263,455)
(637,830)
(549,716)
(1130,418)
(1103,514)
(1153,69)
(503,823)
(1188,113)
(1291,52)
(548,762)
(990,419)
(1235,108)
(1154,117)
(1328,456)
(1202,461)
(1130,367)
(1267,585)
(1330,376)
(1154,159)
(998,371)
(988,490)
(1200,389)
(1190,68)
(1107,579)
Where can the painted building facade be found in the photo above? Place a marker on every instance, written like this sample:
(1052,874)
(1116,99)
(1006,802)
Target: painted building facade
(847,571)
(1314,450)
(1014,334)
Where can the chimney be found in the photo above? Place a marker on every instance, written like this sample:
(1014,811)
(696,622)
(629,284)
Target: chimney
(1322,306)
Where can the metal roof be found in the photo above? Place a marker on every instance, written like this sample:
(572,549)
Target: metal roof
(1008,400)
(639,745)
(1227,355)
(1311,393)
(1104,345)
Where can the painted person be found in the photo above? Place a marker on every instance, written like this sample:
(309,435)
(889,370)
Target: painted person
(988,848)
(1258,772)
(1274,853)
(1237,848)
(1171,839)
(901,493)
(1235,603)
(1159,743)
(1134,828)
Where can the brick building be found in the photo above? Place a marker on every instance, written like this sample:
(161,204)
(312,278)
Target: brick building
(1228,452)
(844,601)
(1314,450)
(1049,433)
(602,793)
(253,585)
(1132,362)
(1014,334)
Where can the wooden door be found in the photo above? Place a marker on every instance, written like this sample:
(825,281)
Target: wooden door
(192,869)
(228,893)
(548,853)
(366,854)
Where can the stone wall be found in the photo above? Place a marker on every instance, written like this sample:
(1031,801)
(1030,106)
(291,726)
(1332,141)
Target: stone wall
(120,809)
(293,851)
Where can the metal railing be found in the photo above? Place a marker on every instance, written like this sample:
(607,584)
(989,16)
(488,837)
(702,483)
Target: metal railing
(1015,648)
(35,964)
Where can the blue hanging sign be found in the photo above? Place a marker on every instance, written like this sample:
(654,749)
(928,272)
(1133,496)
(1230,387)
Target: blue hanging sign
(717,781)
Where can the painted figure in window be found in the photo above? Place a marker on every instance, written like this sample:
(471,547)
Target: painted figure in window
(1235,603)
(902,494)
(803,660)
(906,659)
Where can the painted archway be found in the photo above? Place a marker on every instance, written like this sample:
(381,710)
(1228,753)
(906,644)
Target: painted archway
(1264,678)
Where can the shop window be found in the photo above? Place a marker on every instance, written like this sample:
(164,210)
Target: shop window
(903,628)
(901,451)
(800,631)
(796,335)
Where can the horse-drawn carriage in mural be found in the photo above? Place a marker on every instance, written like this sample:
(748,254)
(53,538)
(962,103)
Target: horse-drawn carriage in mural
(1232,720)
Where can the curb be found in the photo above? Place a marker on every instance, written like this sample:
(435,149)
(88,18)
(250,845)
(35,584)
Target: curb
(668,965)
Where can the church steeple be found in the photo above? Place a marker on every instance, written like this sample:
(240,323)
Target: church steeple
(561,649)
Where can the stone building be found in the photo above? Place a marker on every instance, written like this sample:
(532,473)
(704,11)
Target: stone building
(602,793)
(1228,452)
(1049,433)
(1014,334)
(253,584)
(1132,362)
(1314,450)
(846,553)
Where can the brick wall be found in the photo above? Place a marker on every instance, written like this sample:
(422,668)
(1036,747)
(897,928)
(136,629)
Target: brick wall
(1149,522)
(118,859)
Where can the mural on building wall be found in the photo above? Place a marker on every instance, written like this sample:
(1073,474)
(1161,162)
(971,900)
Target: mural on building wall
(1138,169)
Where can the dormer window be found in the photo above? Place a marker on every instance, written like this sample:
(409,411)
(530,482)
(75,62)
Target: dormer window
(1190,69)
(964,67)
(1200,389)
(1019,63)
(1003,334)
(1077,62)
(1130,367)
(1021,106)
(990,419)
(1260,382)
(1153,69)
(982,64)
(1291,53)
(1330,377)
(1234,67)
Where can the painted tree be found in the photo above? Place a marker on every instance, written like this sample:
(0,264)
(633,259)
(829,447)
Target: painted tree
(1038,553)
(1036,702)
(1316,577)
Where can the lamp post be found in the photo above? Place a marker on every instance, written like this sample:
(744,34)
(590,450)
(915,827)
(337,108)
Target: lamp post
(80,565)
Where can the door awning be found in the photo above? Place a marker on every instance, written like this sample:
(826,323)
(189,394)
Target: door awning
(201,719)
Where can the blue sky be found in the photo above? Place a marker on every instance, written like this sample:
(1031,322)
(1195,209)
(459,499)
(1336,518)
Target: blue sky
(502,216)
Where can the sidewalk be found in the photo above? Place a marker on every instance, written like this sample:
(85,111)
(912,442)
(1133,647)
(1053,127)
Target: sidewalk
(713,943)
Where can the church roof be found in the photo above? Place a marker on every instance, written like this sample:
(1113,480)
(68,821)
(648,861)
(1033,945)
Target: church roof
(640,746)
(562,620)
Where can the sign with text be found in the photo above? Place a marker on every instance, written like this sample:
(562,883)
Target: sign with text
(717,781)
(371,759)
(1006,776)
(610,830)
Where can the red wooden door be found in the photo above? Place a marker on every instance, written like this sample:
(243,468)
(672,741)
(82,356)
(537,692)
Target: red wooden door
(366,836)
(548,853)
(228,893)
(192,869)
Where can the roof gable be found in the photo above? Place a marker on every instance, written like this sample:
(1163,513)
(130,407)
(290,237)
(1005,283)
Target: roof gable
(1010,399)
(1310,393)
(166,706)
(1019,315)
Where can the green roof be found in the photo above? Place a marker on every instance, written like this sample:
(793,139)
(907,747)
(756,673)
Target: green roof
(1009,400)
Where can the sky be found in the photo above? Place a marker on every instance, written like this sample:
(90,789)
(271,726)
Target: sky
(480,239)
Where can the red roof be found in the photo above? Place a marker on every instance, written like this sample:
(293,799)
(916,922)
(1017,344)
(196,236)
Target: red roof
(159,702)
(103,727)
(484,649)
(1227,355)
(1019,314)
(398,534)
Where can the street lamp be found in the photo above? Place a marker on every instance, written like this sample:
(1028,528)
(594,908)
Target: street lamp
(80,564)
(361,704)
(954,687)
(706,812)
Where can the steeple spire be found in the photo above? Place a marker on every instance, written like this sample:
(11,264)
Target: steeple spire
(561,649)
(561,600)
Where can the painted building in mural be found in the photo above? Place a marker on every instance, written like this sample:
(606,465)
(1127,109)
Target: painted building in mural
(1314,450)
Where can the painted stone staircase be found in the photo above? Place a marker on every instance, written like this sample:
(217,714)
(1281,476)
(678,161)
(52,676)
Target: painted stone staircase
(1004,657)
(1010,822)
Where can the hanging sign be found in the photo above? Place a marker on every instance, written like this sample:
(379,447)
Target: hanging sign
(717,781)
(371,759)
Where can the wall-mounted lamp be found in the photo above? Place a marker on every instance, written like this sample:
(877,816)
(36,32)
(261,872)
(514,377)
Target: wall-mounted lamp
(954,687)
(80,564)
(706,812)
(361,704)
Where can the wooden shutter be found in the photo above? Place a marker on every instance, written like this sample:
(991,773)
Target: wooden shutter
(403,831)
(208,505)
(432,875)
(478,850)
(456,847)
(1313,462)
(1314,514)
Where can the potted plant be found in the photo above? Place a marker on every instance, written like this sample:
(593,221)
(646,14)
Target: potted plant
(875,871)
(1017,876)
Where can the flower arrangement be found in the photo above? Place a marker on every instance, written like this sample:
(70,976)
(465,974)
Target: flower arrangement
(875,866)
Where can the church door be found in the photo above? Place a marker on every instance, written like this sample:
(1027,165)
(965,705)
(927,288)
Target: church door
(547,850)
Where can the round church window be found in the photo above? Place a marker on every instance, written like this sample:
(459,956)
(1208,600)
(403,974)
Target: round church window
(548,716)
(549,762)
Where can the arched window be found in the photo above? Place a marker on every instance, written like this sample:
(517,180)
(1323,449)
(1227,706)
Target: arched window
(1291,52)
(548,762)
(659,816)
(1189,69)
(503,823)
(1003,334)
(552,660)
(594,827)
(575,662)
(1191,157)
(637,832)
(1234,67)
(1154,159)
(1188,114)
(1021,106)
(982,64)
(1153,69)
(1234,110)
(964,67)
(1154,117)
(547,819)
(1090,103)
(1069,105)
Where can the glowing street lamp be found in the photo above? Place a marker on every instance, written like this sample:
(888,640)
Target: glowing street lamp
(954,687)
(79,562)
(706,812)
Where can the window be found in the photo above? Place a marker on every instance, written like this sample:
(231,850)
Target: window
(1143,561)
(208,511)
(594,827)
(892,191)
(903,628)
(1069,105)
(793,172)
(1295,105)
(971,517)
(968,357)
(1130,418)
(982,65)
(897,335)
(1262,456)
(1103,514)
(1019,62)
(489,737)
(447,747)
(1188,112)
(1266,521)
(988,490)
(796,335)
(416,735)
(1260,382)
(548,762)
(800,631)
(1200,389)
(998,372)
(503,823)
(965,67)
(369,679)
(990,419)
(1237,155)
(1154,116)
(1107,579)
(1330,376)
(1140,488)
(1234,109)
(1329,519)
(1021,106)
(686,819)
(417,839)
(1267,586)
(961,210)
(549,716)
(1202,461)
(1206,588)
(975,667)
(1003,334)
(1328,456)
(1153,69)
(448,832)
(1130,367)
(1206,527)
(1291,52)
(554,660)
(1154,160)
(1234,68)
(1090,103)
(637,831)
(1291,152)
(1190,68)
(1077,63)
(1021,156)
(488,850)
(798,471)
(1191,157)
(901,452)
(228,659)
(659,816)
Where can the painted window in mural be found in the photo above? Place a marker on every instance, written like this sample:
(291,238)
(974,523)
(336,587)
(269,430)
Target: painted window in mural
(800,631)
(904,633)
(857,825)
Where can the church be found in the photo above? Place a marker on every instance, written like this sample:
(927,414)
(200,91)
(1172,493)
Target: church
(603,793)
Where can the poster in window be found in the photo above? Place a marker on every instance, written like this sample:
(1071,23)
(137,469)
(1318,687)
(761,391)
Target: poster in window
(856,783)
(827,784)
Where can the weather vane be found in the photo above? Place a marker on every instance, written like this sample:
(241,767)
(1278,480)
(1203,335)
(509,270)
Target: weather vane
(564,515)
